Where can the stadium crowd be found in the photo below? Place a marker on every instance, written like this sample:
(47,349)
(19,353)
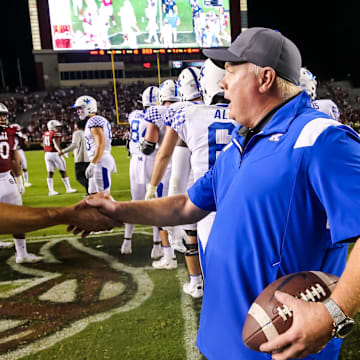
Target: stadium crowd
(34,110)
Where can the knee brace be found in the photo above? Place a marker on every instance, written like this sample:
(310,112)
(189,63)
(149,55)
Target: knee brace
(191,233)
(192,249)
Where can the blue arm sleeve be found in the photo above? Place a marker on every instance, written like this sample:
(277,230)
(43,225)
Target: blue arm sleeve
(334,172)
(201,193)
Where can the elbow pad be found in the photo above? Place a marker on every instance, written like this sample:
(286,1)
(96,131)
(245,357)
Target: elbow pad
(147,147)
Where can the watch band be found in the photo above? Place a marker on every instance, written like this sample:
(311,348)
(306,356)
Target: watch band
(338,316)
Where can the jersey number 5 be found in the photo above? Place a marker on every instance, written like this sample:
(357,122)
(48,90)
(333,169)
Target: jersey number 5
(214,146)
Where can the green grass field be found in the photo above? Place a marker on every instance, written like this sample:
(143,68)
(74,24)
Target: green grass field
(86,300)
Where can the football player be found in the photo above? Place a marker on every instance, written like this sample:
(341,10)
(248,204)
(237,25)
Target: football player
(140,167)
(155,132)
(98,138)
(206,129)
(174,149)
(309,84)
(184,238)
(151,15)
(168,5)
(11,186)
(51,144)
(129,26)
(21,140)
(108,5)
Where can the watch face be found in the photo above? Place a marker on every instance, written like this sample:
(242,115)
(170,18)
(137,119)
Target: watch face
(345,329)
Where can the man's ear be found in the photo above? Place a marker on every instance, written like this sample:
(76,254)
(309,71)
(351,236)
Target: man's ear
(266,78)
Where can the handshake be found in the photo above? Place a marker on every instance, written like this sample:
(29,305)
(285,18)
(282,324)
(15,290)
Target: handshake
(96,213)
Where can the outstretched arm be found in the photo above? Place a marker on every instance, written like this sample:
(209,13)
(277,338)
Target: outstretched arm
(312,324)
(163,156)
(22,219)
(168,211)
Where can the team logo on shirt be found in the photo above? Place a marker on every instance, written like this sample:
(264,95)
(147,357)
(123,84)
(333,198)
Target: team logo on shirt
(275,137)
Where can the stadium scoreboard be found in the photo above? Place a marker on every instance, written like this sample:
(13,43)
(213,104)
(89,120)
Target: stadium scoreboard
(145,51)
(78,25)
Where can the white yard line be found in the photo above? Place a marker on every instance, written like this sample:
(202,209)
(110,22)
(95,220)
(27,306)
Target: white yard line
(146,230)
(190,319)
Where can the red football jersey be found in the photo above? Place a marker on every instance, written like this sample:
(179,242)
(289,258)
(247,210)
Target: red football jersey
(48,143)
(7,146)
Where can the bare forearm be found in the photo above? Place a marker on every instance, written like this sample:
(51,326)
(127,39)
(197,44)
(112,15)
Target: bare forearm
(16,164)
(347,291)
(71,147)
(22,219)
(99,153)
(163,156)
(169,211)
(161,163)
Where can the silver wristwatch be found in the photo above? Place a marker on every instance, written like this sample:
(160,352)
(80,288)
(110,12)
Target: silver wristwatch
(343,324)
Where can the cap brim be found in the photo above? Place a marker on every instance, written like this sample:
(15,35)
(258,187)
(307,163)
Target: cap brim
(221,55)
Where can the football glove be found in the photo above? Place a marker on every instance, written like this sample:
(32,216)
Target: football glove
(89,172)
(176,238)
(20,184)
(151,192)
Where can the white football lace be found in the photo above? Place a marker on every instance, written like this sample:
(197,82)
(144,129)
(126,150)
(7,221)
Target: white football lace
(313,294)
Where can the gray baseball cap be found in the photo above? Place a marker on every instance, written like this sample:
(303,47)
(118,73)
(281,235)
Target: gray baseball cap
(262,47)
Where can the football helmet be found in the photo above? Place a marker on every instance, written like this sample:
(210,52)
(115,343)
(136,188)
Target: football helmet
(168,91)
(53,125)
(87,104)
(308,83)
(150,96)
(4,115)
(188,83)
(210,77)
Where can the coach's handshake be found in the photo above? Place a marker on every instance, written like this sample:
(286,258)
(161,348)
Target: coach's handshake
(80,218)
(98,210)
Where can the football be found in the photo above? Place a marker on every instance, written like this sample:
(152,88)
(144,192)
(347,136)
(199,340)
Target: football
(267,318)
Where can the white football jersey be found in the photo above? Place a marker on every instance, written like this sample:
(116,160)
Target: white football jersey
(138,129)
(206,129)
(327,106)
(97,121)
(173,108)
(155,115)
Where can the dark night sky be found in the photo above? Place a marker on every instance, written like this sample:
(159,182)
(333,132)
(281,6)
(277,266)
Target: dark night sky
(326,35)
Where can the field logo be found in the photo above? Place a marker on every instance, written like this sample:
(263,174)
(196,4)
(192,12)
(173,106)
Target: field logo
(74,286)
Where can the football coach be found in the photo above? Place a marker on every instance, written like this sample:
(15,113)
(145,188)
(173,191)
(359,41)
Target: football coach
(286,192)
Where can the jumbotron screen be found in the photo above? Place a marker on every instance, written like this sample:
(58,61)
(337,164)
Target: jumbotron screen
(136,24)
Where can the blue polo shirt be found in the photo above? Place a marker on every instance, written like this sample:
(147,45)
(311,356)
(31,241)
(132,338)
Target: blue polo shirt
(286,202)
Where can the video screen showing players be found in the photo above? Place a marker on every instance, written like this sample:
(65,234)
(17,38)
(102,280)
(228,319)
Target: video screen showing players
(133,24)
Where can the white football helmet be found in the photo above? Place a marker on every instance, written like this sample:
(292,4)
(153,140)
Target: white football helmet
(188,83)
(210,77)
(87,104)
(150,96)
(4,115)
(168,91)
(53,125)
(308,83)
